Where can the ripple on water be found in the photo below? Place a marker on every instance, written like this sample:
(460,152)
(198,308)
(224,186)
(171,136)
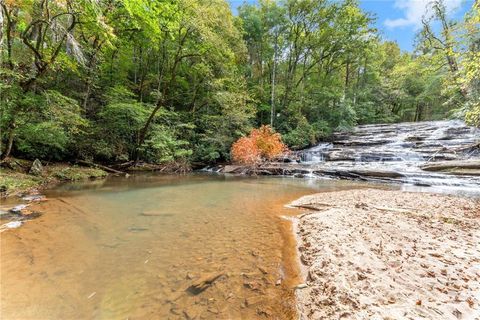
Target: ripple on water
(131,248)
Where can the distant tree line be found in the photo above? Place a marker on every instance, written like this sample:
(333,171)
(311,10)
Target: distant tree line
(123,81)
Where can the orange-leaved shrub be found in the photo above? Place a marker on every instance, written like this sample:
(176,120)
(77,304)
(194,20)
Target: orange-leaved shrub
(261,144)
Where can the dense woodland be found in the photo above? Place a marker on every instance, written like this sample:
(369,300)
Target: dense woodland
(122,81)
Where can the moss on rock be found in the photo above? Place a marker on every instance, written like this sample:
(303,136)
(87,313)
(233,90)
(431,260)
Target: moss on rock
(15,179)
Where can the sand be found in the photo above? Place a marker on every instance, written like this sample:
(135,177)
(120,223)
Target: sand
(376,254)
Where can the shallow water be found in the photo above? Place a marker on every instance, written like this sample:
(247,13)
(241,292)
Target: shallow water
(130,249)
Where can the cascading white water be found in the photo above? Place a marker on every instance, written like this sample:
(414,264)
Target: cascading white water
(315,154)
(401,148)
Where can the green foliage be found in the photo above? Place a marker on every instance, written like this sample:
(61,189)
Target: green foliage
(163,81)
(164,146)
(305,134)
(472,117)
(119,125)
(470,75)
(75,173)
(48,125)
(213,141)
(152,16)
(45,140)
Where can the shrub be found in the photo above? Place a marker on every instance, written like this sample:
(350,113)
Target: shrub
(46,140)
(306,134)
(246,151)
(164,146)
(472,117)
(119,126)
(49,124)
(261,144)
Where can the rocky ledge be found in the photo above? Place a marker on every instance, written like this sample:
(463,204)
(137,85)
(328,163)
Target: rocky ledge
(439,154)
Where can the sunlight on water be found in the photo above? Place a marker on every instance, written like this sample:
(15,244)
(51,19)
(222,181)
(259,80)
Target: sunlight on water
(131,248)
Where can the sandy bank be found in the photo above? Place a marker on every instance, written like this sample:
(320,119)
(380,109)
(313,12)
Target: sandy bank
(376,254)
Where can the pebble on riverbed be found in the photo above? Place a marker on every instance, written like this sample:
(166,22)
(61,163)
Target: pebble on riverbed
(11,225)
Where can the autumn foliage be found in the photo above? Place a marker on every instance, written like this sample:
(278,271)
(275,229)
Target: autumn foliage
(261,144)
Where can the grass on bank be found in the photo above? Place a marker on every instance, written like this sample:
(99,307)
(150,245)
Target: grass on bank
(75,173)
(15,179)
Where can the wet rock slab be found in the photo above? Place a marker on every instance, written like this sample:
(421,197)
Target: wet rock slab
(473,164)
(443,154)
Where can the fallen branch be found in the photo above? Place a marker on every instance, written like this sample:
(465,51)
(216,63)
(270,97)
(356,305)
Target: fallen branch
(434,155)
(453,164)
(469,147)
(124,165)
(306,206)
(99,166)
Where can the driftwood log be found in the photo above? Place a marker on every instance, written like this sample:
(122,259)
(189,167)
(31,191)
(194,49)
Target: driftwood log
(99,166)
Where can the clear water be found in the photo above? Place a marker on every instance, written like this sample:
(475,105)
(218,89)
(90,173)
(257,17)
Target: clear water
(130,249)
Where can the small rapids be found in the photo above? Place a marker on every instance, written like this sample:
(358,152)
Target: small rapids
(400,153)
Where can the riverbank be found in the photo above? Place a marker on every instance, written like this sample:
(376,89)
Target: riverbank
(17,178)
(388,255)
(231,257)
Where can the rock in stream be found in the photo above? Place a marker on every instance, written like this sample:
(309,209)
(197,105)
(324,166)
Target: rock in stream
(444,154)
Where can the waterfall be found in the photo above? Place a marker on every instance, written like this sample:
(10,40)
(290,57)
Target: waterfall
(315,154)
(397,153)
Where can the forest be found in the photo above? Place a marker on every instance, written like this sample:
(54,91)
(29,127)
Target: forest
(128,81)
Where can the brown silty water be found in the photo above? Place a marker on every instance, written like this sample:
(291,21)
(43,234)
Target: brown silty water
(139,248)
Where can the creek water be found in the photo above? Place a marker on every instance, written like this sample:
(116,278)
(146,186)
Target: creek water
(401,148)
(130,248)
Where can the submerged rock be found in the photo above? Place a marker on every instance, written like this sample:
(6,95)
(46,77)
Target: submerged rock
(156,214)
(12,224)
(252,301)
(34,198)
(18,208)
(137,229)
(203,283)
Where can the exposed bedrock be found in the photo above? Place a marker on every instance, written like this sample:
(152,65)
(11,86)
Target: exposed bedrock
(433,153)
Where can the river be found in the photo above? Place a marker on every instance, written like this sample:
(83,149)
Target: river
(131,248)
(206,246)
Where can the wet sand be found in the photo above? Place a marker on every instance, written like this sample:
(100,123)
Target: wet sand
(377,254)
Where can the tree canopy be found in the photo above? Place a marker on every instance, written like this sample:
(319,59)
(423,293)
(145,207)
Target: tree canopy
(180,80)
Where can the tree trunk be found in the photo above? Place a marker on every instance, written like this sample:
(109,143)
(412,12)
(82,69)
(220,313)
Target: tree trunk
(8,149)
(418,112)
(347,78)
(87,96)
(163,100)
(272,110)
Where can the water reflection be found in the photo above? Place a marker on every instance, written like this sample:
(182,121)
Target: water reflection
(132,247)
